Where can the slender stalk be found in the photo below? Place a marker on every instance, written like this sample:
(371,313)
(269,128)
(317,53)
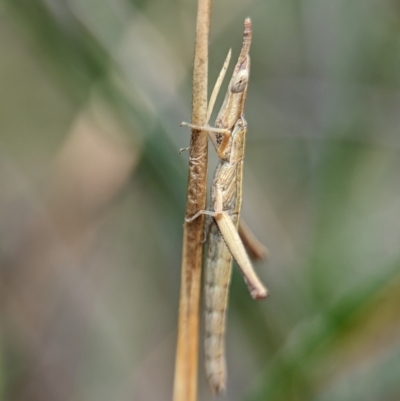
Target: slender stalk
(186,362)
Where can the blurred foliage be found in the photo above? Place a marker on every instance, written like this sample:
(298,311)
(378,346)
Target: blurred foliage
(92,194)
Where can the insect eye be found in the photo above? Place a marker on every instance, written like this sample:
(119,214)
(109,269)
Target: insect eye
(240,83)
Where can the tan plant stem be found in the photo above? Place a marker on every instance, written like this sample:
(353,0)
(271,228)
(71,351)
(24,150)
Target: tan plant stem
(186,363)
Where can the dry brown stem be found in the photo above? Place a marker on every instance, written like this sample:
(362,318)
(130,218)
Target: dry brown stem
(186,364)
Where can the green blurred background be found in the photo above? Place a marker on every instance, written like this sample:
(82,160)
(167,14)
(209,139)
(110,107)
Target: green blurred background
(92,194)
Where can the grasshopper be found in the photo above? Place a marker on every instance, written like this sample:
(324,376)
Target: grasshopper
(224,243)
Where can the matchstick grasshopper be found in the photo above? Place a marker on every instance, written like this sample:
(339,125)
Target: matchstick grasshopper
(224,243)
